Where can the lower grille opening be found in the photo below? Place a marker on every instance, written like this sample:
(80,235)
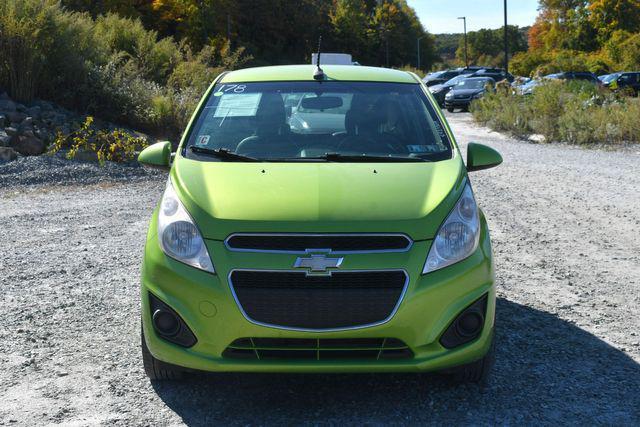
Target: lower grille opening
(299,301)
(317,349)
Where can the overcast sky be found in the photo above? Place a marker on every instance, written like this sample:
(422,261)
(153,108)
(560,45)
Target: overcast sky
(439,16)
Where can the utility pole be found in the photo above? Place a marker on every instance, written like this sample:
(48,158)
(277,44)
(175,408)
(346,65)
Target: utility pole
(506,40)
(419,38)
(466,57)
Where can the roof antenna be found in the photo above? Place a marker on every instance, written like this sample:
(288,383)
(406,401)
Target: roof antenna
(318,74)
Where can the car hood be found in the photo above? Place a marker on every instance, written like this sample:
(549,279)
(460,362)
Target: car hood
(437,88)
(231,197)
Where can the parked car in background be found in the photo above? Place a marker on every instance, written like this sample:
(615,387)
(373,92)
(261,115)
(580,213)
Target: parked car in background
(441,90)
(617,81)
(497,74)
(463,93)
(440,77)
(528,88)
(576,75)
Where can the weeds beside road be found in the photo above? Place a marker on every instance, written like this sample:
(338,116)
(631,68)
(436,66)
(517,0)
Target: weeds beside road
(570,112)
(564,224)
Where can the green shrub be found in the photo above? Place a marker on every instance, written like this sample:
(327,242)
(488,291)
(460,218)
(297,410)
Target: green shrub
(570,112)
(114,146)
(110,67)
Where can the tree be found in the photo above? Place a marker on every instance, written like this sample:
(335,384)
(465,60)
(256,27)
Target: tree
(349,20)
(612,15)
(486,47)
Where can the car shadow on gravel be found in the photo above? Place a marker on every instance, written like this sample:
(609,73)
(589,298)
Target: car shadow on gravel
(546,369)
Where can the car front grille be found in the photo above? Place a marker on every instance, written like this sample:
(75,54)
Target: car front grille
(317,349)
(336,243)
(296,300)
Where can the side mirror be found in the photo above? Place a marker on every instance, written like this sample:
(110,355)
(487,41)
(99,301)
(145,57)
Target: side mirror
(158,155)
(481,157)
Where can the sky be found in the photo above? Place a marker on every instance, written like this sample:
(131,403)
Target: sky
(440,16)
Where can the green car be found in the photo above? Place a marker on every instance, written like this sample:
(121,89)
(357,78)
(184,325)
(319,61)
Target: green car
(318,221)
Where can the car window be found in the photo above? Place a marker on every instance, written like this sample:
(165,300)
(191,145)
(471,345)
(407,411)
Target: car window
(473,84)
(456,79)
(259,120)
(611,77)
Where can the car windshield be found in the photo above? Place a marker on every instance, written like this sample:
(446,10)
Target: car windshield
(611,77)
(297,121)
(456,79)
(472,84)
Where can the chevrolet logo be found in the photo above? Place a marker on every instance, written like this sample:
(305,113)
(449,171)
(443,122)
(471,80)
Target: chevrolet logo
(318,263)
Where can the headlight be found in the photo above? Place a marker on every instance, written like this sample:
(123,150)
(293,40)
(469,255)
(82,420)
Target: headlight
(458,235)
(178,235)
(449,95)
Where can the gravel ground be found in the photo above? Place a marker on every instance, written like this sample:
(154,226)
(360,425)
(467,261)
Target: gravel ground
(565,228)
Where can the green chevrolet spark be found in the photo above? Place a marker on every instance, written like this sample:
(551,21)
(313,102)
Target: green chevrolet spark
(318,221)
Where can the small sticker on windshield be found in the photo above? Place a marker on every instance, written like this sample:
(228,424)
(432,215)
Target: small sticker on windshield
(202,140)
(218,93)
(421,148)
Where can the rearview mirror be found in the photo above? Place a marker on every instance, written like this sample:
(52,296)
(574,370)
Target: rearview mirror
(481,157)
(321,102)
(158,154)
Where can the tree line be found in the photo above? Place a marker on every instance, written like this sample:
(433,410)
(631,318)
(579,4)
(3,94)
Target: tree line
(375,32)
(583,35)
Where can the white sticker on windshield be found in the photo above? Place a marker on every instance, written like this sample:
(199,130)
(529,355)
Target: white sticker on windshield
(202,140)
(238,105)
(421,148)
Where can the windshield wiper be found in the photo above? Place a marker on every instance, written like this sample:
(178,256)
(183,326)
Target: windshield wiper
(337,157)
(222,154)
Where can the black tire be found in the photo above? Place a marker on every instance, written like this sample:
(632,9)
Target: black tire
(156,369)
(450,109)
(478,371)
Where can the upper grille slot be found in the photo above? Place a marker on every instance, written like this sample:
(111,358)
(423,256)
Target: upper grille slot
(336,243)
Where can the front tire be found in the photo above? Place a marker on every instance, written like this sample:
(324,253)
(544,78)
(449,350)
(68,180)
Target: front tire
(476,372)
(450,109)
(156,369)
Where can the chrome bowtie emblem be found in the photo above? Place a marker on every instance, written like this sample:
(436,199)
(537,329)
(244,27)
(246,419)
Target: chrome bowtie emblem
(318,263)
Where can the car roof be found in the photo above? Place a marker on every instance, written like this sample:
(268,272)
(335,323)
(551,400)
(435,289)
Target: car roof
(305,73)
(479,78)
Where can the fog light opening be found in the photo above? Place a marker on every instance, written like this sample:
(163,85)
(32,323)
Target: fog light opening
(166,323)
(469,324)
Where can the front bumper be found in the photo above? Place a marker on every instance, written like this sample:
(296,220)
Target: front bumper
(206,304)
(457,103)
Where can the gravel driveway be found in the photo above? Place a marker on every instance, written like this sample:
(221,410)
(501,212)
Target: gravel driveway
(566,230)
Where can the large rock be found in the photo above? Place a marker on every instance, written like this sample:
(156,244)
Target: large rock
(7,154)
(26,125)
(6,140)
(29,146)
(7,105)
(34,112)
(44,105)
(16,116)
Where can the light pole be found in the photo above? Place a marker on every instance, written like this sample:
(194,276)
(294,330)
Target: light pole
(466,57)
(506,40)
(419,38)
